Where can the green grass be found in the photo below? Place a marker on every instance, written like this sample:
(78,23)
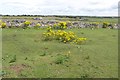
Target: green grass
(92,19)
(98,58)
(101,20)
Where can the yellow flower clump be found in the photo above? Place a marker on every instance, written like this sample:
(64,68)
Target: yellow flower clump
(60,25)
(80,40)
(63,36)
(27,23)
(37,26)
(105,24)
(2,24)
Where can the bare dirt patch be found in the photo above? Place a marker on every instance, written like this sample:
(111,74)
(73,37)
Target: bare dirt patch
(19,68)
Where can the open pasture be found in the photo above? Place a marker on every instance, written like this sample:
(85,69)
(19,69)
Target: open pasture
(26,54)
(37,58)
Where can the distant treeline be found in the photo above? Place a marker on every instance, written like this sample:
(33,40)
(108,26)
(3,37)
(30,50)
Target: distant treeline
(61,16)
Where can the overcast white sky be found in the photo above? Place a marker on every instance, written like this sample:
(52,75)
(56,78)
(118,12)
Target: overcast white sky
(60,7)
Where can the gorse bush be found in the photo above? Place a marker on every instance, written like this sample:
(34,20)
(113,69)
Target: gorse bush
(80,40)
(26,24)
(49,35)
(60,25)
(62,36)
(105,24)
(95,24)
(2,24)
(37,26)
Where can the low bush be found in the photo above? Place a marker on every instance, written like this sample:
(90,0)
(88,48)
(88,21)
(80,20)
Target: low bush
(2,24)
(37,26)
(105,25)
(62,36)
(60,25)
(26,24)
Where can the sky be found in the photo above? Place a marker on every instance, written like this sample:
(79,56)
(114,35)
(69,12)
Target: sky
(60,7)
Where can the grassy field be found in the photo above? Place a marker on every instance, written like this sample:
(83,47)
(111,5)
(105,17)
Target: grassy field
(98,58)
(92,19)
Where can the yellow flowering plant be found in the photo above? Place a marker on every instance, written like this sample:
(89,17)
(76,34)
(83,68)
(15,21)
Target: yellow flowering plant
(49,35)
(62,36)
(60,25)
(37,26)
(95,24)
(3,25)
(0,23)
(105,24)
(26,24)
(80,40)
